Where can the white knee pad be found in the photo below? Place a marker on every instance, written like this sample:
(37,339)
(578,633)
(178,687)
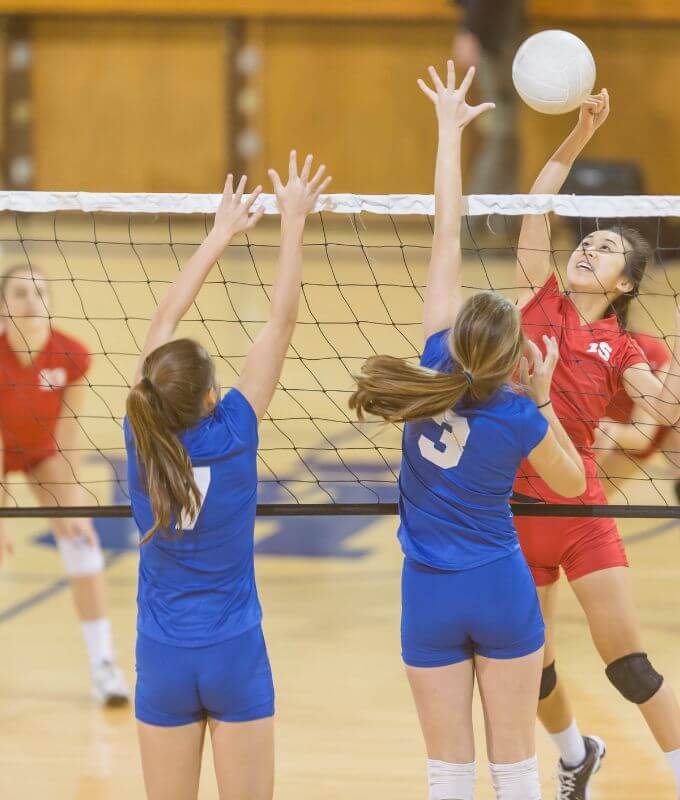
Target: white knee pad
(80,557)
(450,781)
(516,781)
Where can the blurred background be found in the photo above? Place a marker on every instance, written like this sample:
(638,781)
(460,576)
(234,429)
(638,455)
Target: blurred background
(166,95)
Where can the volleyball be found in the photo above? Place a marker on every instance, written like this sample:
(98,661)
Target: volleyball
(553,72)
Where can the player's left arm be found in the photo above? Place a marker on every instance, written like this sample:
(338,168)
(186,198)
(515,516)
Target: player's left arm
(443,290)
(660,399)
(232,217)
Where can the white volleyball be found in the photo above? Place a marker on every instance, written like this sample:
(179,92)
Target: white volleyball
(553,72)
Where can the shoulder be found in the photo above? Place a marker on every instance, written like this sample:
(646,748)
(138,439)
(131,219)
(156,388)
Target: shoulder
(655,349)
(436,353)
(550,293)
(239,416)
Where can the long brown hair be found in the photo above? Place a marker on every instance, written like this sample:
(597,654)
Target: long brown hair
(486,343)
(637,253)
(169,398)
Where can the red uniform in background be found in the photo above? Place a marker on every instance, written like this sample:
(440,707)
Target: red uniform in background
(621,407)
(593,359)
(31,397)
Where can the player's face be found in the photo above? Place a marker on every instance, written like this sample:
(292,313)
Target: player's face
(26,299)
(597,265)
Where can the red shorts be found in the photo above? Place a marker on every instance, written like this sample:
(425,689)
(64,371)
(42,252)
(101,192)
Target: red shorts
(578,545)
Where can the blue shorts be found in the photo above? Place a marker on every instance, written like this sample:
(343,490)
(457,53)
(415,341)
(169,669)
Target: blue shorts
(230,681)
(491,611)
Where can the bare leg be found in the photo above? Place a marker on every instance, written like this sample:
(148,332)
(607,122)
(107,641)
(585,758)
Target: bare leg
(243,753)
(89,595)
(555,710)
(509,692)
(606,597)
(443,698)
(171,760)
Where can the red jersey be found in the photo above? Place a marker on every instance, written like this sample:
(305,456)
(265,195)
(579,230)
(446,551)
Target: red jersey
(31,397)
(593,359)
(658,356)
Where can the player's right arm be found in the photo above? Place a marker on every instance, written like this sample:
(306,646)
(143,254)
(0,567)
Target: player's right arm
(534,256)
(265,358)
(443,290)
(555,458)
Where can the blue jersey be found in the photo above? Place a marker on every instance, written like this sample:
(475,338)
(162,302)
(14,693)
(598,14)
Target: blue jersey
(199,589)
(457,473)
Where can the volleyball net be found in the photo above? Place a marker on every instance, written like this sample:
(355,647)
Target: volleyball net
(107,259)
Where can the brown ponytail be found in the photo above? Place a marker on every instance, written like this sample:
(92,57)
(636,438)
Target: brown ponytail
(486,343)
(169,398)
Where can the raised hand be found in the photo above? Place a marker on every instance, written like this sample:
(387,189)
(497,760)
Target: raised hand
(233,215)
(594,111)
(537,382)
(298,197)
(450,103)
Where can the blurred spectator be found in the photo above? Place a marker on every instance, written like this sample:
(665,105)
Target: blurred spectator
(487,38)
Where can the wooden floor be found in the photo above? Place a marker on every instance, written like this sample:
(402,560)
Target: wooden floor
(329,586)
(346,726)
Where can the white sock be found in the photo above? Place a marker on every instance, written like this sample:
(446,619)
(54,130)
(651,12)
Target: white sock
(673,759)
(516,781)
(97,635)
(450,781)
(570,744)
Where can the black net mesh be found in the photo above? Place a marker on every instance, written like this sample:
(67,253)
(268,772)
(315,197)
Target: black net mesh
(363,286)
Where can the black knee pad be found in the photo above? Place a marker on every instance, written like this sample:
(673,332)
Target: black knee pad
(548,681)
(635,677)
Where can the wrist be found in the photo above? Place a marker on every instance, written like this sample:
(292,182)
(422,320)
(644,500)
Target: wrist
(293,223)
(218,240)
(546,403)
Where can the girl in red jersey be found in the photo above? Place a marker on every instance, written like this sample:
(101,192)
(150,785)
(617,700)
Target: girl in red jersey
(597,359)
(631,429)
(40,401)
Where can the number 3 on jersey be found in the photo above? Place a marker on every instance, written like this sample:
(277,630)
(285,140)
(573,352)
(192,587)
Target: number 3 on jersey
(446,452)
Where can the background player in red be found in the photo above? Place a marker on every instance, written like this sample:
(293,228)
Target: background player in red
(598,358)
(40,401)
(631,429)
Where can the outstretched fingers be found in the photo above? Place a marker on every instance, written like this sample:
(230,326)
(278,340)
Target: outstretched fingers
(275,178)
(450,75)
(292,165)
(238,194)
(436,80)
(306,167)
(425,89)
(257,191)
(318,176)
(322,188)
(467,81)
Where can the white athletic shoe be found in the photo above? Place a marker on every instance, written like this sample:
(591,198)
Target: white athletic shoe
(574,783)
(109,686)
